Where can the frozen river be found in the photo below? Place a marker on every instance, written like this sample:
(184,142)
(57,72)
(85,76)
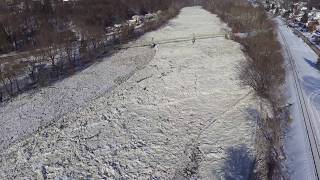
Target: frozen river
(179,113)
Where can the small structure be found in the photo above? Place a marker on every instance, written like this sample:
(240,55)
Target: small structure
(150,17)
(153,44)
(193,38)
(137,19)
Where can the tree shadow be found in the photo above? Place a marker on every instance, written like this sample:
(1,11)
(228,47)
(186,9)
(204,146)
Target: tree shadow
(311,84)
(239,164)
(311,63)
(252,114)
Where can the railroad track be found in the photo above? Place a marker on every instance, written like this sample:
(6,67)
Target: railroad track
(312,138)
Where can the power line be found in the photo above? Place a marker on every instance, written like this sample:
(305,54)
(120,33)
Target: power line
(173,40)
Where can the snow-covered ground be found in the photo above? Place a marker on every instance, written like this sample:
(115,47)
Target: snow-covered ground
(182,115)
(299,158)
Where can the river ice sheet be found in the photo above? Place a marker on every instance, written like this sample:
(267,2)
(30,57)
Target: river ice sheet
(183,115)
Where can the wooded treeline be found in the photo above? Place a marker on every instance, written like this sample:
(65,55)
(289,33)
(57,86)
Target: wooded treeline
(25,24)
(55,38)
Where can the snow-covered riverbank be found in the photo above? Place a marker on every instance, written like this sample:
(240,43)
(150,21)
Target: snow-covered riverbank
(182,115)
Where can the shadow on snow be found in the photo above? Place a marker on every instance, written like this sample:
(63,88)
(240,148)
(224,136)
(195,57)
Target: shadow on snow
(239,164)
(311,63)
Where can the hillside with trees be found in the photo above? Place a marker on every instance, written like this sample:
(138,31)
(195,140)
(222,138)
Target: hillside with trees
(25,24)
(44,40)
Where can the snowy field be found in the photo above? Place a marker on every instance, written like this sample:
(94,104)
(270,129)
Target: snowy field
(180,114)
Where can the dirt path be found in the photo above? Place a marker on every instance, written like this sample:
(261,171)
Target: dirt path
(182,116)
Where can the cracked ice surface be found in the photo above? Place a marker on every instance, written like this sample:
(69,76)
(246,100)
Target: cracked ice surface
(172,119)
(29,111)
